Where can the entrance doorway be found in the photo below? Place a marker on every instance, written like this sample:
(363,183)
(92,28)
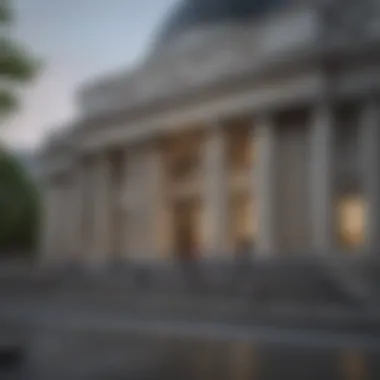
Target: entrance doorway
(242,229)
(186,229)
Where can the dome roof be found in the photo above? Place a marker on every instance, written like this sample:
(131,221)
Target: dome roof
(189,14)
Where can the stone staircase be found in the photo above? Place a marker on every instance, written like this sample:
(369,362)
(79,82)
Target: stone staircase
(293,291)
(211,309)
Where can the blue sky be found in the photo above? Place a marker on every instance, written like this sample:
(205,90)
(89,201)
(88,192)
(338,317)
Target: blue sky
(77,40)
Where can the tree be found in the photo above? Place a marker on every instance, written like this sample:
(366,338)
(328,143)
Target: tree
(17,66)
(19,205)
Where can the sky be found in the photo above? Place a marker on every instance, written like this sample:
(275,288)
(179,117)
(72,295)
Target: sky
(78,41)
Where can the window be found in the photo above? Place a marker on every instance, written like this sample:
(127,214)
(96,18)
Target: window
(351,221)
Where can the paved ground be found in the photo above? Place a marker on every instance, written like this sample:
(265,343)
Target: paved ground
(65,317)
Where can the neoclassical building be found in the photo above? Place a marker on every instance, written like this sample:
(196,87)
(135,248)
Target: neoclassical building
(249,124)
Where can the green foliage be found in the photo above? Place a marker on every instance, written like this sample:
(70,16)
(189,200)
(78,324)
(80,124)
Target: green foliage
(16,64)
(5,11)
(19,207)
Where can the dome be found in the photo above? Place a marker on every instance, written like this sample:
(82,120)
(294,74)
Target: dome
(189,14)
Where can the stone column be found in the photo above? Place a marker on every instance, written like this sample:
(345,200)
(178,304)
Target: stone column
(62,220)
(264,175)
(102,210)
(58,222)
(158,212)
(77,193)
(321,179)
(48,223)
(149,193)
(54,224)
(134,201)
(65,222)
(370,150)
(164,214)
(216,192)
(129,202)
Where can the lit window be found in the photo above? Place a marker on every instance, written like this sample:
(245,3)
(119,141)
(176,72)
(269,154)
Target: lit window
(351,221)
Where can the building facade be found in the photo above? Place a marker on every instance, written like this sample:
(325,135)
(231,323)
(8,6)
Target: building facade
(258,132)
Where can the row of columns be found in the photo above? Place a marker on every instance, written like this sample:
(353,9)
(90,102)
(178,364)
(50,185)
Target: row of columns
(216,192)
(262,186)
(322,176)
(321,181)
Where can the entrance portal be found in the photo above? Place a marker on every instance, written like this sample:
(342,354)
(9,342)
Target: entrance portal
(186,224)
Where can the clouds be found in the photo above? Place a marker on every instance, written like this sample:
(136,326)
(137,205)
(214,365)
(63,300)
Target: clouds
(77,40)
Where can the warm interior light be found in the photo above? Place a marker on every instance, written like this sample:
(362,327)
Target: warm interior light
(351,221)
